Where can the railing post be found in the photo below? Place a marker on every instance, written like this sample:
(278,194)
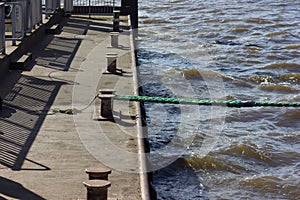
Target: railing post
(68,7)
(17,17)
(28,15)
(36,10)
(2,29)
(51,6)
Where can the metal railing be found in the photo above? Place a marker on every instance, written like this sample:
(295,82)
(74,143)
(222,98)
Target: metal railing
(26,13)
(2,29)
(36,10)
(94,3)
(51,6)
(95,6)
(68,6)
(16,24)
(32,12)
(23,17)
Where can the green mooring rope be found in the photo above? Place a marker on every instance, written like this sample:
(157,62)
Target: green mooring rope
(229,103)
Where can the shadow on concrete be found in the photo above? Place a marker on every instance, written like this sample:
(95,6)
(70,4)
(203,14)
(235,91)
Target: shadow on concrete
(58,52)
(27,98)
(20,119)
(15,190)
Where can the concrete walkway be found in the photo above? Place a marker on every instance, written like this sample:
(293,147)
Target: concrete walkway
(44,153)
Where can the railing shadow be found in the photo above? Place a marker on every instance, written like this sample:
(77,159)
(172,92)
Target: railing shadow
(20,119)
(25,96)
(58,52)
(16,190)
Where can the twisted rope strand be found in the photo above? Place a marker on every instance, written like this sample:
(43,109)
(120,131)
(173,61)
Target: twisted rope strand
(229,103)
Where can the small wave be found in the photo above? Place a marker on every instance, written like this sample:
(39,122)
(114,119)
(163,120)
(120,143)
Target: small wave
(277,88)
(293,138)
(275,33)
(241,83)
(229,37)
(272,184)
(248,116)
(275,57)
(278,4)
(292,78)
(291,114)
(292,47)
(246,151)
(214,11)
(175,18)
(284,25)
(192,73)
(177,1)
(199,74)
(248,61)
(154,21)
(261,79)
(290,118)
(240,29)
(211,163)
(286,66)
(258,20)
(212,20)
(229,20)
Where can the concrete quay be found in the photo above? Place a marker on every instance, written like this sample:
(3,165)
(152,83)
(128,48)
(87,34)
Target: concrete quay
(43,151)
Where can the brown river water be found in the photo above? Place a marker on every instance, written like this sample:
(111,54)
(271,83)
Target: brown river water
(239,49)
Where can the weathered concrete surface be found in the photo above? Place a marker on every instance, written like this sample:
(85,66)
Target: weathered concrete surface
(44,154)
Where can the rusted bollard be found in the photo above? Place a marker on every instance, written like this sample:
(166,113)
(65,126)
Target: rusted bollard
(97,189)
(98,173)
(116,25)
(111,63)
(114,39)
(106,109)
